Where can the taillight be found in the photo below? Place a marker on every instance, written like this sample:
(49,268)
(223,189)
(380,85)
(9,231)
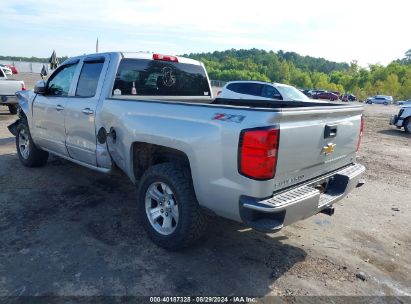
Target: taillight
(258,149)
(361,131)
(165,57)
(23,86)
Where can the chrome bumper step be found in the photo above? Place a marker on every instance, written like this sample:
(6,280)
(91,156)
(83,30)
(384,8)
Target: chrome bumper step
(300,202)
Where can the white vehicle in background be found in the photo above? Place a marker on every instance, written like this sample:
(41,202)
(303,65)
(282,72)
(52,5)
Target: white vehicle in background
(380,99)
(8,89)
(259,90)
(404,102)
(403,119)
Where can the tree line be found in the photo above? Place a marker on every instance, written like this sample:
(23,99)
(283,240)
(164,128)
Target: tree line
(307,72)
(31,59)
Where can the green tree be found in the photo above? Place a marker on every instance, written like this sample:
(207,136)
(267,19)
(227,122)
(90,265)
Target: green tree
(392,86)
(308,72)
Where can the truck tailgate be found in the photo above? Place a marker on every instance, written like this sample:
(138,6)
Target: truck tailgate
(10,86)
(315,141)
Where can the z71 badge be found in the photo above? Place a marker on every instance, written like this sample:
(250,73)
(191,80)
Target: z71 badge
(229,117)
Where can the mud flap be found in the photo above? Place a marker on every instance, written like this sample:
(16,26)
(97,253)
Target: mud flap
(13,127)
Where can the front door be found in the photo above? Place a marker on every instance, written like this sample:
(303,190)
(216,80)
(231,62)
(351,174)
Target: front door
(81,109)
(49,110)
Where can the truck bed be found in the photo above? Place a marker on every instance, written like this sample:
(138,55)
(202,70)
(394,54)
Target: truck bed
(238,103)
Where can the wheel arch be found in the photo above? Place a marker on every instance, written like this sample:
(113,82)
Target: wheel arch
(145,155)
(405,119)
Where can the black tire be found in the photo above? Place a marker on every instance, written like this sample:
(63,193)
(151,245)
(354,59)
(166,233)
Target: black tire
(13,109)
(407,125)
(191,224)
(35,157)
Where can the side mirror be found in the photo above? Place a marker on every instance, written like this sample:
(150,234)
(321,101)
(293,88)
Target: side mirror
(40,87)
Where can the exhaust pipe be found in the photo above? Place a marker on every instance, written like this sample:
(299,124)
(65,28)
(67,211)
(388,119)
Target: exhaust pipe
(328,210)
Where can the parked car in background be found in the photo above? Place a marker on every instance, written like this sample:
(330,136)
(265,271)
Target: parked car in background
(380,99)
(12,68)
(6,70)
(404,102)
(325,95)
(306,92)
(259,90)
(348,97)
(311,93)
(8,88)
(403,119)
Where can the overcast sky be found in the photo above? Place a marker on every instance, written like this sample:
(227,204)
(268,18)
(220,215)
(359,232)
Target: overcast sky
(344,30)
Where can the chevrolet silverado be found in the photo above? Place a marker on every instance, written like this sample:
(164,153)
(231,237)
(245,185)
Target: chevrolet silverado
(153,116)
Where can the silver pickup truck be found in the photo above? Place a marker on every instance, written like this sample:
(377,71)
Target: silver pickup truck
(8,88)
(264,163)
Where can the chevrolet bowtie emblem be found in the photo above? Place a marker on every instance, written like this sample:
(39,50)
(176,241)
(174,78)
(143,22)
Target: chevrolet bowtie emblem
(328,149)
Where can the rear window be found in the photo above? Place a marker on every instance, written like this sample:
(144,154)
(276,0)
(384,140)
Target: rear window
(160,78)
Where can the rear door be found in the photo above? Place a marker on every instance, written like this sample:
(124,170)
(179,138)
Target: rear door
(314,142)
(49,109)
(81,109)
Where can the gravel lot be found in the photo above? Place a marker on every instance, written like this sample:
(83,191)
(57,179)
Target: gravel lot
(66,230)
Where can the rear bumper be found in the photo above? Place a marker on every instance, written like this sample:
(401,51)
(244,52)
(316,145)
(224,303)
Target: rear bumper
(285,208)
(8,100)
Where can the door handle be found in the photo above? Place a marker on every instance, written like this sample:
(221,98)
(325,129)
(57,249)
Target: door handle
(87,111)
(59,108)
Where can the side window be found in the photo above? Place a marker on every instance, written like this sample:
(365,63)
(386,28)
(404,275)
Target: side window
(250,89)
(270,92)
(60,84)
(1,73)
(88,80)
(233,87)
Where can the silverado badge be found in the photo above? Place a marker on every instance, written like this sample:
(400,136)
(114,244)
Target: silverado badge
(328,149)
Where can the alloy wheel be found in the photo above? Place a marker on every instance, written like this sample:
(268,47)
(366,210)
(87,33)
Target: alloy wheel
(161,208)
(24,144)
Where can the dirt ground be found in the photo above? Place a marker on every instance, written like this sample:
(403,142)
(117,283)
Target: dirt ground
(66,230)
